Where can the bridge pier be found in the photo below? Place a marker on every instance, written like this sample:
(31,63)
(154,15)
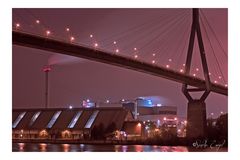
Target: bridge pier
(196,111)
(196,119)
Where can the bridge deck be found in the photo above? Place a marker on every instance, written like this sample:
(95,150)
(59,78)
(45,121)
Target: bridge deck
(56,46)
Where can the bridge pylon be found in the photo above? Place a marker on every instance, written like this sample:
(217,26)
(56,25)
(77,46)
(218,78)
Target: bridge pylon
(196,111)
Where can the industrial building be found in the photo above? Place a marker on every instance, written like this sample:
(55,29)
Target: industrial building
(62,123)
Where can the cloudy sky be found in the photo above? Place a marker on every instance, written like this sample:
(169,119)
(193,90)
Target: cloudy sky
(163,32)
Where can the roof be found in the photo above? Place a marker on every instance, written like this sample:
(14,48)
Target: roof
(62,118)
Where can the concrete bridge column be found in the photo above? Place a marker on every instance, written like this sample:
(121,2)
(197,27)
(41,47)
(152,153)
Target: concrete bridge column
(196,119)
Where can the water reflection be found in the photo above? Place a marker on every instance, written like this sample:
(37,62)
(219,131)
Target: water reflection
(21,147)
(43,147)
(124,148)
(66,147)
(138,148)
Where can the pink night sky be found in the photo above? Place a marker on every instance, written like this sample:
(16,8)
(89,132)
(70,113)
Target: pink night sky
(72,79)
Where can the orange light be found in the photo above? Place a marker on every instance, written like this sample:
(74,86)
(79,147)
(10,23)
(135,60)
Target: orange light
(139,124)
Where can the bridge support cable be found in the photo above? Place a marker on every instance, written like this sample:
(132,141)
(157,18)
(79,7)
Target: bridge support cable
(218,67)
(161,34)
(214,34)
(167,44)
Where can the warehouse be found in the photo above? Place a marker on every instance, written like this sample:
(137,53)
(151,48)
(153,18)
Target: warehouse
(62,123)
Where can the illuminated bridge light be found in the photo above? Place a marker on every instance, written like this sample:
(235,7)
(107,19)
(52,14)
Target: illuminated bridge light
(54,119)
(48,32)
(67,29)
(170,60)
(107,101)
(117,50)
(225,85)
(183,64)
(153,61)
(209,74)
(17,25)
(75,119)
(215,81)
(135,49)
(91,119)
(194,74)
(95,44)
(19,118)
(197,69)
(72,38)
(37,21)
(114,42)
(135,56)
(220,77)
(153,54)
(167,66)
(181,70)
(91,36)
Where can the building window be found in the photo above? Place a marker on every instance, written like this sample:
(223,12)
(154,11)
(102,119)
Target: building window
(91,119)
(75,119)
(19,118)
(54,119)
(34,118)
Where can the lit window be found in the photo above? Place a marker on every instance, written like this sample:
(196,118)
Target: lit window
(19,118)
(75,119)
(54,118)
(34,118)
(91,119)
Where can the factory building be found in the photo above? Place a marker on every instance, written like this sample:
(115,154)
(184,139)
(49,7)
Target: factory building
(59,123)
